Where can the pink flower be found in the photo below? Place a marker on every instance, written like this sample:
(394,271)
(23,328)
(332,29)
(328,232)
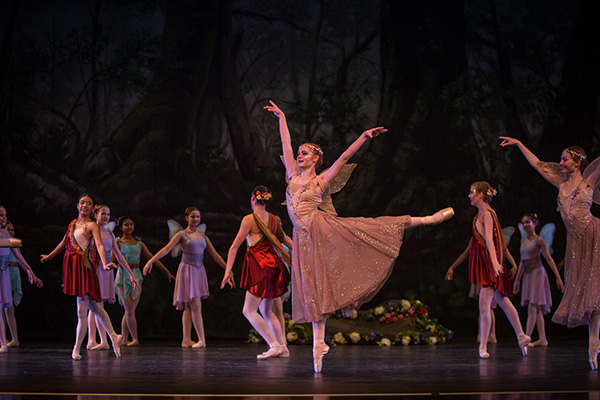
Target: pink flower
(411,311)
(400,316)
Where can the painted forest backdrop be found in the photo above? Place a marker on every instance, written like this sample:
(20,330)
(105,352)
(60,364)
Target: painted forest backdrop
(155,105)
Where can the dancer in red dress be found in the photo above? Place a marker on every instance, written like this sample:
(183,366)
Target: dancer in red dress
(490,272)
(264,276)
(79,273)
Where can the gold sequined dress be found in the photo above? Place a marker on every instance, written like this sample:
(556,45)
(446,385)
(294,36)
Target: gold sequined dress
(337,263)
(582,255)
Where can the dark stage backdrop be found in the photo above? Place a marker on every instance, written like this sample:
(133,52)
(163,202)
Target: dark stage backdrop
(153,106)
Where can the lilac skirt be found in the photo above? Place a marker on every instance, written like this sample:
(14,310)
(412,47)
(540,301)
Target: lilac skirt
(191,282)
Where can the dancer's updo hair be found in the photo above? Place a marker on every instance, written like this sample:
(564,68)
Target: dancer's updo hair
(486,189)
(578,154)
(316,150)
(97,208)
(189,210)
(86,195)
(122,220)
(262,194)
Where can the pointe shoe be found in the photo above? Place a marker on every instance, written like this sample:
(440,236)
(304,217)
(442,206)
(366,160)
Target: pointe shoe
(484,354)
(319,350)
(274,351)
(101,346)
(75,355)
(524,341)
(3,349)
(593,355)
(199,345)
(285,353)
(538,343)
(116,342)
(442,215)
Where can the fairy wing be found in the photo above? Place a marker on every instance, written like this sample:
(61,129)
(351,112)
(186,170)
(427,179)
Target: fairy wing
(336,185)
(174,227)
(201,229)
(591,168)
(554,170)
(508,232)
(110,226)
(522,230)
(547,233)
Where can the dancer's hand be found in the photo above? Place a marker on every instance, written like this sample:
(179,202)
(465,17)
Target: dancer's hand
(516,287)
(498,268)
(170,277)
(44,258)
(274,109)
(110,266)
(513,272)
(560,284)
(449,274)
(508,141)
(134,281)
(374,132)
(228,280)
(148,268)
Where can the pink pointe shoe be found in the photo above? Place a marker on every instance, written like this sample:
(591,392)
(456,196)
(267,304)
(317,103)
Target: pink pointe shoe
(524,341)
(593,355)
(443,215)
(116,342)
(319,350)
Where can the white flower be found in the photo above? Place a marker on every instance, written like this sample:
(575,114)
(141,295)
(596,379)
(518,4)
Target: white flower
(354,314)
(379,310)
(292,336)
(339,337)
(405,340)
(430,328)
(355,337)
(432,340)
(384,342)
(405,305)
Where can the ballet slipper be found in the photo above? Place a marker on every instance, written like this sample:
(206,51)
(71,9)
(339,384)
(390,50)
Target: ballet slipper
(13,343)
(133,343)
(10,242)
(3,348)
(483,353)
(319,351)
(274,351)
(593,351)
(538,343)
(75,355)
(524,341)
(116,342)
(285,352)
(187,344)
(199,345)
(101,346)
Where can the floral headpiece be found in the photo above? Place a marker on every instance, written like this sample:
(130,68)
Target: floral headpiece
(576,154)
(265,196)
(491,192)
(314,149)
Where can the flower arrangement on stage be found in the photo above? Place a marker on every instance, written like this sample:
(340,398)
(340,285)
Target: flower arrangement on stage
(395,322)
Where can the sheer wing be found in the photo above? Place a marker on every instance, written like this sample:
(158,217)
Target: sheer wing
(336,185)
(553,169)
(523,233)
(508,232)
(174,227)
(201,229)
(547,233)
(591,168)
(110,226)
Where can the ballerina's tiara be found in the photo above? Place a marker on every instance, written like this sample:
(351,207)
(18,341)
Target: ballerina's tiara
(574,154)
(314,148)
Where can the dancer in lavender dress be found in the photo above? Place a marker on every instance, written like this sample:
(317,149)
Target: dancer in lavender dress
(191,283)
(106,277)
(577,190)
(337,263)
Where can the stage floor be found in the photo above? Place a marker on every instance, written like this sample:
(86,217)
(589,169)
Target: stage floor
(230,370)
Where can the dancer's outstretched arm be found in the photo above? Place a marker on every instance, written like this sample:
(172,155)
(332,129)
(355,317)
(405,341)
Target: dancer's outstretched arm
(459,260)
(551,263)
(511,260)
(530,157)
(148,255)
(33,279)
(243,232)
(163,252)
(286,140)
(331,173)
(60,247)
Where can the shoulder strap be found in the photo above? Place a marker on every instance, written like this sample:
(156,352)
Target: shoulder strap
(272,239)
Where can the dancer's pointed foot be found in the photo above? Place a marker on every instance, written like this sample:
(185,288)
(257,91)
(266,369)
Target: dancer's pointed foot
(593,350)
(13,343)
(133,343)
(274,351)
(199,345)
(483,352)
(101,346)
(187,343)
(116,342)
(539,343)
(285,352)
(3,348)
(524,341)
(319,350)
(441,216)
(75,355)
